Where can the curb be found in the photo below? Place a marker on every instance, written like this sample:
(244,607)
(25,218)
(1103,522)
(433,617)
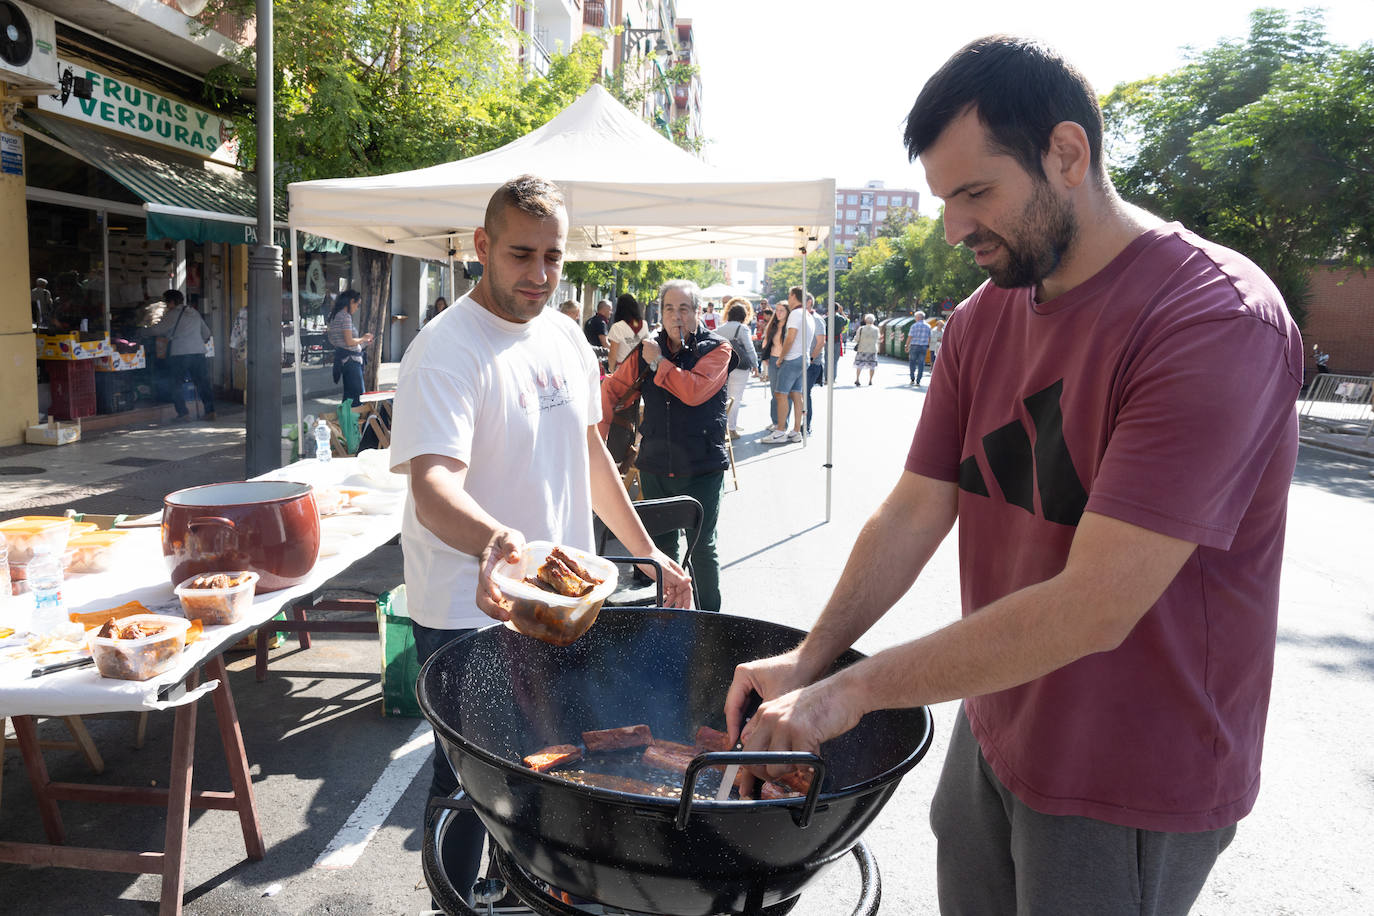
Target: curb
(1367,452)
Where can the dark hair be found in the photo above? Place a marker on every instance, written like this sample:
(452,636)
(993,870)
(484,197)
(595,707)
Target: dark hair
(776,319)
(795,293)
(736,313)
(173,297)
(344,300)
(627,308)
(1020,89)
(530,194)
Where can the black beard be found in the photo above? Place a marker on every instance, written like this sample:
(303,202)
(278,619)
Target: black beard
(1046,230)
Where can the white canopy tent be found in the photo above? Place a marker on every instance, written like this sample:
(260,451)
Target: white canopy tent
(631,194)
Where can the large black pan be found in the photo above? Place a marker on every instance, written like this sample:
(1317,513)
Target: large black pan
(495,696)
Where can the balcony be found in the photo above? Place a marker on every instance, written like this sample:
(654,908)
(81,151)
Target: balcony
(594,13)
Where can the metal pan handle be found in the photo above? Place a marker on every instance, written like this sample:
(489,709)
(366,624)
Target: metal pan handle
(635,561)
(753,758)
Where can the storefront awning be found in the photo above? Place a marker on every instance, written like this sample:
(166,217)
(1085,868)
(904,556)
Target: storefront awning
(185,198)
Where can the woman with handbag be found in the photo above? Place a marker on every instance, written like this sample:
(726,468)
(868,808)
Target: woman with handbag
(181,337)
(736,334)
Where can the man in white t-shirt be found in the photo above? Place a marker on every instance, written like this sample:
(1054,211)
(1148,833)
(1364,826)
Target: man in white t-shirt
(790,366)
(495,418)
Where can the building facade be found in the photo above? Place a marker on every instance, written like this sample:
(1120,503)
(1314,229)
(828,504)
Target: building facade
(860,212)
(117,184)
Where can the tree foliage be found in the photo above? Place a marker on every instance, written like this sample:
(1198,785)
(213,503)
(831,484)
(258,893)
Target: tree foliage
(909,265)
(390,85)
(1265,145)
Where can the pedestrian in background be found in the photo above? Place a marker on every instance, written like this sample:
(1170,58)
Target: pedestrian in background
(682,438)
(815,368)
(572,310)
(917,341)
(187,334)
(790,361)
(599,325)
(348,348)
(736,333)
(866,349)
(937,336)
(627,330)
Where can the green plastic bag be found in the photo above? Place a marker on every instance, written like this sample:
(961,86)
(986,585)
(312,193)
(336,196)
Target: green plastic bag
(348,425)
(400,661)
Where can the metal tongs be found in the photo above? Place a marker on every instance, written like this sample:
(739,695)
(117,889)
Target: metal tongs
(61,666)
(727,781)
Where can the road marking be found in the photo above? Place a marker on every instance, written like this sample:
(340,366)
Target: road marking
(362,825)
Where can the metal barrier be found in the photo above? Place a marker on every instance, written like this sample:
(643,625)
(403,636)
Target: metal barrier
(1346,398)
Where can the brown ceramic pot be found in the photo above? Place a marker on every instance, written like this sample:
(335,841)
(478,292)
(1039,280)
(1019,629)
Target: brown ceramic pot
(269,526)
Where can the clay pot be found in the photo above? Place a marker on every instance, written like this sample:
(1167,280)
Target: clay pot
(271,527)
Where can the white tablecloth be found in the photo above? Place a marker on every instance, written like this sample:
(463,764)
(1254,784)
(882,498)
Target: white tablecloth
(145,579)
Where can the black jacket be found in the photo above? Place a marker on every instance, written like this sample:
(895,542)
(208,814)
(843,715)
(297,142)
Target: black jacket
(680,439)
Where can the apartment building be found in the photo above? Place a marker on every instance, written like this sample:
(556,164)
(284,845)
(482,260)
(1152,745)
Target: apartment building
(859,212)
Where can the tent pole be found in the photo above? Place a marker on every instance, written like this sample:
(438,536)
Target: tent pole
(452,281)
(830,371)
(296,325)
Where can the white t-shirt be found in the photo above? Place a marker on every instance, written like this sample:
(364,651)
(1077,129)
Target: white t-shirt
(807,330)
(513,402)
(625,338)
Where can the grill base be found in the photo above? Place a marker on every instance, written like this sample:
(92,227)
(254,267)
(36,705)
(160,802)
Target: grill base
(504,873)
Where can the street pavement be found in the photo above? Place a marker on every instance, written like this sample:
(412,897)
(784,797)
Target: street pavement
(317,742)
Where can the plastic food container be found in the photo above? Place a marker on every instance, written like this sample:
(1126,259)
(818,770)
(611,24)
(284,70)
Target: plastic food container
(140,659)
(383,503)
(32,533)
(98,551)
(217,606)
(545,615)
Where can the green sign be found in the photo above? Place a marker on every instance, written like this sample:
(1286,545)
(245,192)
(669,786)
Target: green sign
(118,105)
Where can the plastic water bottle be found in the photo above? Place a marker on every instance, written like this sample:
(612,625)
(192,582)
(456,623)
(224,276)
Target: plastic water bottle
(44,574)
(323,449)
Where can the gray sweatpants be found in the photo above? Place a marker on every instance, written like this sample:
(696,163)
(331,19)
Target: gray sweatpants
(997,856)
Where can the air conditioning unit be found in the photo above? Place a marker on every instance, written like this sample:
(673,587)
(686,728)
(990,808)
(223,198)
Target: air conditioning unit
(28,48)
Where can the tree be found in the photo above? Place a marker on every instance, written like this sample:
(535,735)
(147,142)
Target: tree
(389,85)
(1265,145)
(786,273)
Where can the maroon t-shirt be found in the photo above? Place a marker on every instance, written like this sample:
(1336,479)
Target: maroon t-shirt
(1159,392)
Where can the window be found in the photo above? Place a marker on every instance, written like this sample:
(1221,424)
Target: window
(852,199)
(868,200)
(882,215)
(851,215)
(882,200)
(866,216)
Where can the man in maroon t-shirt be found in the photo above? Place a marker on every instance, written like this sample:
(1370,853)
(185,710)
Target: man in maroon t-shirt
(1112,423)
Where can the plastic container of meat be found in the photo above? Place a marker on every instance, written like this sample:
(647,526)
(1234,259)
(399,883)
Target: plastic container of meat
(554,618)
(217,605)
(144,657)
(34,533)
(97,551)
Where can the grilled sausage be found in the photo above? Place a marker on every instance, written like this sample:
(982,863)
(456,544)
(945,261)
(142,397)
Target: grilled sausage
(616,739)
(668,755)
(709,739)
(550,757)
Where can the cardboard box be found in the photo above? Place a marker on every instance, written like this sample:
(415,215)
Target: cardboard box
(122,362)
(71,346)
(56,432)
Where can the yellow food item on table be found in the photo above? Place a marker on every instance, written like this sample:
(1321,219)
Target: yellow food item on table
(92,619)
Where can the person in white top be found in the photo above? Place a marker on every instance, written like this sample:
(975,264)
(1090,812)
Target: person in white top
(628,330)
(790,368)
(495,418)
